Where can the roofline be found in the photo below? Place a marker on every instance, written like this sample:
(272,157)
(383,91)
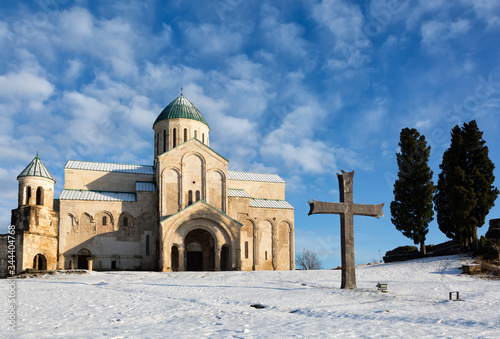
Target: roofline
(35,176)
(199,201)
(103,162)
(199,142)
(271,182)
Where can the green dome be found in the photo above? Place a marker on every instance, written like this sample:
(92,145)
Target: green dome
(181,108)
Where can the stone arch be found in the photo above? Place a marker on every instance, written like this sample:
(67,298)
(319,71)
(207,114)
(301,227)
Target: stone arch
(85,224)
(39,196)
(199,250)
(126,223)
(177,232)
(247,241)
(27,195)
(265,252)
(40,262)
(284,245)
(216,189)
(104,222)
(83,255)
(72,222)
(170,193)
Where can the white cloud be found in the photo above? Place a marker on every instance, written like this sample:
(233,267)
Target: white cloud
(283,37)
(208,39)
(24,86)
(346,24)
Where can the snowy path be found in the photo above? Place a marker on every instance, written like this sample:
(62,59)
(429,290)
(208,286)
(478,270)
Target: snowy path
(302,304)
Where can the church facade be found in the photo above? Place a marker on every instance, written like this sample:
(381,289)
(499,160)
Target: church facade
(186,212)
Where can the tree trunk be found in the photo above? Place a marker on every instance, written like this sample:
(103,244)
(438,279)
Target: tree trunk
(423,251)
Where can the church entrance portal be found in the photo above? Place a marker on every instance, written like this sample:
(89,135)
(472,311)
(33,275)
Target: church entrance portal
(83,255)
(200,251)
(40,262)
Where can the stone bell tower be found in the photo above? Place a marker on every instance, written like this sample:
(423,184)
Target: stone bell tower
(36,219)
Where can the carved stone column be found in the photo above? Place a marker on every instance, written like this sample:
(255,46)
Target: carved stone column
(217,259)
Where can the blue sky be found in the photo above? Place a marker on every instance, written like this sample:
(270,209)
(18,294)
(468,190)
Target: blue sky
(299,88)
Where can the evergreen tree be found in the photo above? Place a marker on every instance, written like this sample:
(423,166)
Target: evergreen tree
(465,191)
(411,209)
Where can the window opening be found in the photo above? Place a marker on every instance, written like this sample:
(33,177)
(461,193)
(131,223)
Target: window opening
(28,195)
(246,249)
(147,245)
(174,138)
(164,140)
(39,196)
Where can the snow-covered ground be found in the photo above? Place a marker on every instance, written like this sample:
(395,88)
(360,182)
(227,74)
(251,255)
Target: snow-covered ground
(303,304)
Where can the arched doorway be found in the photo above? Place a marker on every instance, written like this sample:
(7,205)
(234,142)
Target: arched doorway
(224,258)
(40,262)
(174,257)
(83,255)
(200,251)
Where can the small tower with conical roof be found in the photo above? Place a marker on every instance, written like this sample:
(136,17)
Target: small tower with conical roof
(36,185)
(35,220)
(177,123)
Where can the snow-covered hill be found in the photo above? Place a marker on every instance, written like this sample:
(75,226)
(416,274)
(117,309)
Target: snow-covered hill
(297,304)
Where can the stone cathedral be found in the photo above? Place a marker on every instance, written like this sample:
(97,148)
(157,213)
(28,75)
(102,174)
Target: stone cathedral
(186,212)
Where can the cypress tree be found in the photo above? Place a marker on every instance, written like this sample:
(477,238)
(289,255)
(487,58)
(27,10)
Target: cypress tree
(411,209)
(465,191)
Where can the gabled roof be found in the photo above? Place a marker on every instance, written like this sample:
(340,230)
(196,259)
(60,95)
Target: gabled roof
(36,168)
(69,194)
(109,167)
(193,140)
(250,176)
(204,204)
(181,108)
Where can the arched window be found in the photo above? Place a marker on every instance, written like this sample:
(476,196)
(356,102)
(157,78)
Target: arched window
(174,138)
(246,249)
(203,137)
(39,196)
(190,197)
(164,140)
(185,134)
(104,221)
(158,143)
(196,134)
(125,221)
(28,195)
(147,245)
(198,195)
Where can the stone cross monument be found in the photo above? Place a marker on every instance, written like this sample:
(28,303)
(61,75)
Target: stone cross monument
(347,209)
